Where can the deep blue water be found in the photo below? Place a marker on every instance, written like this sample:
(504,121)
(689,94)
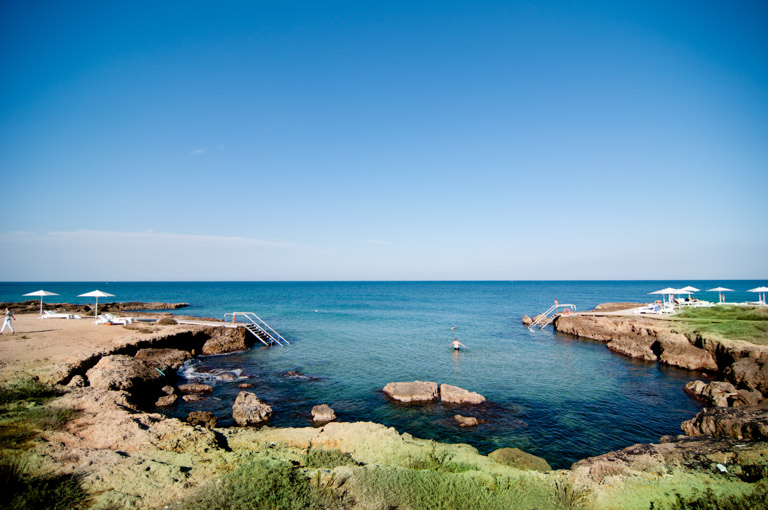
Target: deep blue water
(552,395)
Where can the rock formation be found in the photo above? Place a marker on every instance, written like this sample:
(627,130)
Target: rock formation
(416,391)
(455,395)
(466,421)
(749,422)
(203,418)
(323,414)
(121,372)
(195,388)
(164,359)
(249,410)
(224,340)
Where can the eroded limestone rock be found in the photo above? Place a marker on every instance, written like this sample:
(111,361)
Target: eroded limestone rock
(120,372)
(203,418)
(466,421)
(195,388)
(248,409)
(454,395)
(416,391)
(323,414)
(748,422)
(164,359)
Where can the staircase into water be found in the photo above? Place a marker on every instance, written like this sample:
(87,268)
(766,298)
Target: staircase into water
(545,319)
(257,327)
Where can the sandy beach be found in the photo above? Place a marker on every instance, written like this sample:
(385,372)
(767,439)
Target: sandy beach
(49,348)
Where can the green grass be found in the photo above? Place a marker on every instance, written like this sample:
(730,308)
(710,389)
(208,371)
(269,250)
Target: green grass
(408,489)
(21,490)
(30,390)
(24,413)
(266,484)
(728,322)
(756,499)
(320,458)
(439,463)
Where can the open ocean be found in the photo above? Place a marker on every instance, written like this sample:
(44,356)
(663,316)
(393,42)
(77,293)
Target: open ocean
(551,395)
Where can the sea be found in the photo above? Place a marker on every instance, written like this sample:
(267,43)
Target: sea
(550,394)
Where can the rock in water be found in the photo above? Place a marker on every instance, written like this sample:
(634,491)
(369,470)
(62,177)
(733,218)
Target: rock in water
(466,421)
(166,401)
(195,388)
(323,414)
(455,395)
(519,459)
(203,418)
(416,391)
(249,410)
(224,340)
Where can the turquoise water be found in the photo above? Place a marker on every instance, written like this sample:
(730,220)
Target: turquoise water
(554,396)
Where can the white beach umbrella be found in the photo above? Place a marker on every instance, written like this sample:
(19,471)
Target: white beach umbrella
(761,291)
(690,290)
(663,292)
(97,294)
(720,290)
(41,293)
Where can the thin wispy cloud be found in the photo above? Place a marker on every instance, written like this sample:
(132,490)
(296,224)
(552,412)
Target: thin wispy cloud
(199,152)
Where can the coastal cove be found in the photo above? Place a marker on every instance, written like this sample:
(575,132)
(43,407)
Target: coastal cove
(551,395)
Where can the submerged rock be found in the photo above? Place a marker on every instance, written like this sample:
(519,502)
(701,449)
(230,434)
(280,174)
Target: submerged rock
(466,421)
(193,397)
(416,391)
(245,386)
(166,401)
(455,395)
(249,410)
(323,414)
(519,459)
(195,388)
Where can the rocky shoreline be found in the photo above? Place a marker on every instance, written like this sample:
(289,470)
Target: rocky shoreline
(129,456)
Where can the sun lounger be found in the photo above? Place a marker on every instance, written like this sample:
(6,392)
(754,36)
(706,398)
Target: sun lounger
(52,315)
(652,309)
(108,318)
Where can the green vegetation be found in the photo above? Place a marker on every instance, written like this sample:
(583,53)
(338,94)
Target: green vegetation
(319,458)
(267,484)
(407,489)
(708,500)
(24,413)
(21,490)
(31,390)
(439,463)
(728,322)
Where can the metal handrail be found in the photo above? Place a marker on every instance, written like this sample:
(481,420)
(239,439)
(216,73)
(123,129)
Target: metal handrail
(544,318)
(253,322)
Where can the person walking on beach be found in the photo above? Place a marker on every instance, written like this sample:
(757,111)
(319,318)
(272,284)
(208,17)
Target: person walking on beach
(455,344)
(7,322)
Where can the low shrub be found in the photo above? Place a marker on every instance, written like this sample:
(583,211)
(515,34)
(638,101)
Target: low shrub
(21,490)
(31,390)
(709,500)
(319,458)
(405,488)
(263,484)
(439,463)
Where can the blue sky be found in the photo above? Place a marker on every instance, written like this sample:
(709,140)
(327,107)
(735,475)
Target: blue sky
(383,140)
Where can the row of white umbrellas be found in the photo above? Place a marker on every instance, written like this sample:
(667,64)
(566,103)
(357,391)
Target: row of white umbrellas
(95,293)
(690,290)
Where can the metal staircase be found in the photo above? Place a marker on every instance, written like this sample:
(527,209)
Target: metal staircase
(258,328)
(546,318)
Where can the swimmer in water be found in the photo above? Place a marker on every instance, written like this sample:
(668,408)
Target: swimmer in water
(455,344)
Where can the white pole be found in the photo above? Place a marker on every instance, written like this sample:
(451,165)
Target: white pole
(41,306)
(96,313)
